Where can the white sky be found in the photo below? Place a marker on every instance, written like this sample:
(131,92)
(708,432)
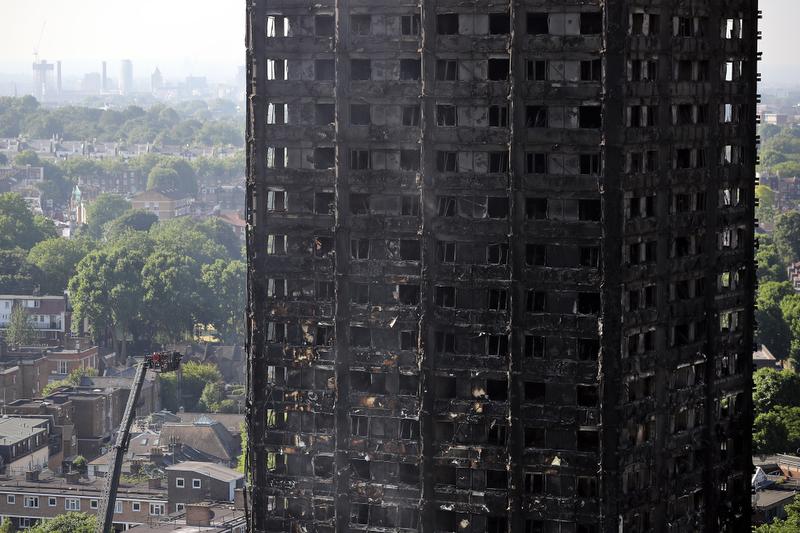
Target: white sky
(207,36)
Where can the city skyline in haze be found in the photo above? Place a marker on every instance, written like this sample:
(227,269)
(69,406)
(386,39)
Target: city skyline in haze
(206,37)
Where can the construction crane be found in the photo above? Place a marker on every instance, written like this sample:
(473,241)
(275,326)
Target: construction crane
(39,43)
(158,362)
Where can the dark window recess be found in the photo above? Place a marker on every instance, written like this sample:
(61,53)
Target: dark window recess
(445,296)
(589,210)
(445,386)
(497,345)
(323,246)
(538,23)
(588,303)
(447,206)
(591,70)
(497,207)
(587,395)
(447,24)
(360,469)
(496,479)
(590,164)
(360,24)
(498,161)
(498,116)
(324,26)
(534,392)
(498,299)
(446,70)
(590,116)
(535,254)
(499,23)
(586,487)
(446,252)
(588,349)
(359,293)
(534,437)
(410,69)
(409,159)
(359,204)
(324,290)
(360,114)
(410,115)
(591,23)
(496,435)
(446,161)
(359,248)
(446,115)
(409,429)
(446,521)
(408,294)
(498,69)
(536,208)
(497,254)
(359,425)
(323,466)
(410,206)
(497,390)
(359,513)
(360,337)
(324,114)
(360,69)
(324,203)
(324,158)
(409,473)
(409,250)
(535,346)
(536,116)
(536,70)
(537,302)
(590,256)
(535,163)
(588,440)
(324,70)
(359,160)
(409,25)
(408,340)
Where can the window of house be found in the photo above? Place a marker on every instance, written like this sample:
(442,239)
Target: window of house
(589,164)
(409,25)
(136,507)
(276,200)
(93,504)
(446,115)
(360,24)
(156,509)
(324,26)
(409,205)
(196,483)
(324,203)
(498,116)
(499,23)
(497,254)
(180,507)
(324,114)
(31,502)
(535,392)
(446,161)
(498,161)
(446,252)
(536,70)
(409,160)
(180,482)
(324,69)
(359,160)
(276,158)
(277,69)
(591,70)
(536,208)
(447,24)
(360,69)
(538,23)
(117,507)
(11,499)
(359,248)
(410,69)
(536,302)
(410,115)
(535,254)
(277,114)
(535,346)
(447,70)
(360,114)
(445,296)
(498,69)
(536,163)
(51,502)
(497,299)
(536,116)
(276,245)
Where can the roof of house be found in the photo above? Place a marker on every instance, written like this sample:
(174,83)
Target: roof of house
(231,421)
(763,353)
(234,219)
(213,470)
(158,196)
(211,438)
(14,429)
(767,498)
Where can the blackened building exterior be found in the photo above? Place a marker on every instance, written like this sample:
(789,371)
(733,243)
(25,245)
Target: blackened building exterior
(501,265)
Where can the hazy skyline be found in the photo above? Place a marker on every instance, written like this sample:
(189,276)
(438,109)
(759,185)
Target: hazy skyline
(206,37)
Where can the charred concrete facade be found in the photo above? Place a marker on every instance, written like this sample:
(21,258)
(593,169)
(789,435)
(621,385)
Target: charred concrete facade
(501,265)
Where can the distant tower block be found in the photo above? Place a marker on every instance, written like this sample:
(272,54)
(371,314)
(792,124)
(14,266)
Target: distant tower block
(41,73)
(58,78)
(104,81)
(156,81)
(126,77)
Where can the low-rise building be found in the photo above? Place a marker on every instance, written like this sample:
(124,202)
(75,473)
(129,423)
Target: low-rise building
(196,482)
(24,444)
(763,358)
(205,435)
(48,315)
(23,373)
(26,500)
(165,205)
(63,361)
(60,412)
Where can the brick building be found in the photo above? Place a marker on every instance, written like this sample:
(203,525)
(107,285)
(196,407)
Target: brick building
(501,265)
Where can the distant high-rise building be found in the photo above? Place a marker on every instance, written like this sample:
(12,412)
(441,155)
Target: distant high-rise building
(104,80)
(92,83)
(41,78)
(126,77)
(58,78)
(501,265)
(156,81)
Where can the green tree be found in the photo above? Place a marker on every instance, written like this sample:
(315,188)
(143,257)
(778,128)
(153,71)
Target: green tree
(223,235)
(773,330)
(27,157)
(241,465)
(225,284)
(773,388)
(107,287)
(787,235)
(131,220)
(195,377)
(20,332)
(211,397)
(770,263)
(56,259)
(17,275)
(67,523)
(790,307)
(185,236)
(163,179)
(18,225)
(770,434)
(7,526)
(104,209)
(171,294)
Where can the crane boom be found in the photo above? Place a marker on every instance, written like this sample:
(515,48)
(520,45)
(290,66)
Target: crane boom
(161,362)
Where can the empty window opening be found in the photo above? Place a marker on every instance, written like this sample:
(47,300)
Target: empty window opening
(591,23)
(447,70)
(538,23)
(324,114)
(324,158)
(324,26)
(360,114)
(410,69)
(590,116)
(360,24)
(409,24)
(324,69)
(536,69)
(536,116)
(499,23)
(498,69)
(360,69)
(446,115)
(447,24)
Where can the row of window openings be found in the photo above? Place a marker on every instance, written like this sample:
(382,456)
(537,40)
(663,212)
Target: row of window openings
(643,342)
(649,24)
(499,69)
(582,303)
(499,161)
(537,23)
